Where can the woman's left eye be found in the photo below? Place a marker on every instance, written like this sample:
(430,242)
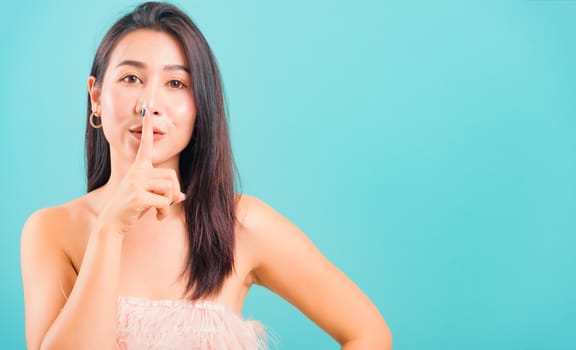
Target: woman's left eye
(130,78)
(177,84)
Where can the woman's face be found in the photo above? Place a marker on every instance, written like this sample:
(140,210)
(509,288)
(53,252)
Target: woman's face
(149,68)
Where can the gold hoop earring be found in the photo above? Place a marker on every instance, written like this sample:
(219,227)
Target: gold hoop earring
(91,120)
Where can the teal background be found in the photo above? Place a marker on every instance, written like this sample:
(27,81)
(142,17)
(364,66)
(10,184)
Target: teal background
(427,147)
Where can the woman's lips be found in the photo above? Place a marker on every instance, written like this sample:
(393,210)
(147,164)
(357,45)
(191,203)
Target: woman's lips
(138,135)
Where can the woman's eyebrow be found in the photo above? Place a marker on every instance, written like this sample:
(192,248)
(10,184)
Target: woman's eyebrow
(177,67)
(136,64)
(142,65)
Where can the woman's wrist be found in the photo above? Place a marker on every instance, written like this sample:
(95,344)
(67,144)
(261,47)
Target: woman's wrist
(108,232)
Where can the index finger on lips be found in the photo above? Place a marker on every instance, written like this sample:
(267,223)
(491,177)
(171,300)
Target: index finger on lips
(144,154)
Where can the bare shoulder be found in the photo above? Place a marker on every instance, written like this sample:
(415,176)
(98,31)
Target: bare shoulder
(267,234)
(52,227)
(50,221)
(252,212)
(261,223)
(44,224)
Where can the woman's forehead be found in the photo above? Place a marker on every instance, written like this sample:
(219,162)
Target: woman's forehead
(150,47)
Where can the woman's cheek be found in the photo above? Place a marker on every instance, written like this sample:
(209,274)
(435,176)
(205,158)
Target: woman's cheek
(115,108)
(122,101)
(184,109)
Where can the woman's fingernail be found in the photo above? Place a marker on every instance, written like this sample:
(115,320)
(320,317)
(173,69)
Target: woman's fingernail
(143,111)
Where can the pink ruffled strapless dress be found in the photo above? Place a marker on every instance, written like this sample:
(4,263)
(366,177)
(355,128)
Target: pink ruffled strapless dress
(145,324)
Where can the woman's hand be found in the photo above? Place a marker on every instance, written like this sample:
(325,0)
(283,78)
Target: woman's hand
(142,188)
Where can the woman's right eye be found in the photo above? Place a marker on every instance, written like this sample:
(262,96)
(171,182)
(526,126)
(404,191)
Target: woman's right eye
(131,78)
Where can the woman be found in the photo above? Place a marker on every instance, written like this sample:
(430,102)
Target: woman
(160,253)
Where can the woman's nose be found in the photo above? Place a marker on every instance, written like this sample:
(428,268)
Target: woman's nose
(151,98)
(152,108)
(148,106)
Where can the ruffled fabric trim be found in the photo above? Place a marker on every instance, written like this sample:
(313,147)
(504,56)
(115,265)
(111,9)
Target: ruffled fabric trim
(145,324)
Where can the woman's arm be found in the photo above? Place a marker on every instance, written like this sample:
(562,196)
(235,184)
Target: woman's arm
(290,265)
(87,319)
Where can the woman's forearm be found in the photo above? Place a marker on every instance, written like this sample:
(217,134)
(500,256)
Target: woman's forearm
(88,320)
(368,344)
(381,340)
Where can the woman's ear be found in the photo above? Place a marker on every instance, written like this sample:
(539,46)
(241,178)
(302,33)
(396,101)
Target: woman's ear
(94,91)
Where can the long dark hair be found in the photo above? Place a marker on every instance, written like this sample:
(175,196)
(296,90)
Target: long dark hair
(206,164)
